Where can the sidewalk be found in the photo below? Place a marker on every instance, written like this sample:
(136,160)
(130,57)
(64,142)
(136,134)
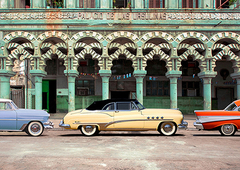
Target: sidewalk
(57,117)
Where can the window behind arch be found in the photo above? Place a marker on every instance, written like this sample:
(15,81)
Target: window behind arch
(156,3)
(221,4)
(189,3)
(86,3)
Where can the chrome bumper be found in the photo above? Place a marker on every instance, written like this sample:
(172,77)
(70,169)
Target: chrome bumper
(183,125)
(61,124)
(198,125)
(48,125)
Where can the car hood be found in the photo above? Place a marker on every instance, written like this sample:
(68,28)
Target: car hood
(32,112)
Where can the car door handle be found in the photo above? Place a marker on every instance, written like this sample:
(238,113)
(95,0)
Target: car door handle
(116,111)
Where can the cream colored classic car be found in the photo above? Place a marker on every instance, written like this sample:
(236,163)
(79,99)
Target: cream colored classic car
(123,115)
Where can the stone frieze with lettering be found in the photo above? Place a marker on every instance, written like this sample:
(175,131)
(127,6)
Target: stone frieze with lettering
(117,16)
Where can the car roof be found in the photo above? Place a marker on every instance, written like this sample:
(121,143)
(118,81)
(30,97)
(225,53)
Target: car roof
(98,105)
(237,102)
(5,100)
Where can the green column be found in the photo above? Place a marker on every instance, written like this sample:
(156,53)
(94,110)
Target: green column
(139,75)
(38,75)
(5,83)
(173,76)
(207,92)
(71,75)
(105,75)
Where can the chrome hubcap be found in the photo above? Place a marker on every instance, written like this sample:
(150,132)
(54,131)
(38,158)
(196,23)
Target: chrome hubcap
(88,129)
(227,129)
(35,128)
(167,128)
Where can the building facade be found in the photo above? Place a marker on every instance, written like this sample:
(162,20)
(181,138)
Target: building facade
(168,54)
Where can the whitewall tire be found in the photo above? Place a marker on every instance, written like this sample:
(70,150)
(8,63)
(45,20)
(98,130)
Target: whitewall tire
(35,129)
(167,128)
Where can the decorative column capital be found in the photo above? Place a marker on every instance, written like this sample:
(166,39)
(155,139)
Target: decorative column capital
(235,75)
(105,73)
(207,74)
(7,73)
(71,73)
(173,74)
(139,73)
(38,73)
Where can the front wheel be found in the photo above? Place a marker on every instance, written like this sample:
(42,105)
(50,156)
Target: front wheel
(35,129)
(167,128)
(228,129)
(89,130)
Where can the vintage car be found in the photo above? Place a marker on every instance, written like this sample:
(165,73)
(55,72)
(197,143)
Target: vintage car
(30,121)
(227,121)
(123,115)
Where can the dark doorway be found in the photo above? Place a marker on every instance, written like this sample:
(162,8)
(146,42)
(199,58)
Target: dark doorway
(225,97)
(49,95)
(120,94)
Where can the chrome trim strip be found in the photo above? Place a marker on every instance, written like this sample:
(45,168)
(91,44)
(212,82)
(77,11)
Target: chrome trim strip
(106,124)
(207,119)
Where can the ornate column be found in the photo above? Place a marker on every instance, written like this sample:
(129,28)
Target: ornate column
(71,75)
(207,92)
(139,75)
(237,77)
(71,3)
(105,75)
(5,83)
(38,75)
(173,75)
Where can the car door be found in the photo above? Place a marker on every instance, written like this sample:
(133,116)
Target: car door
(127,116)
(8,116)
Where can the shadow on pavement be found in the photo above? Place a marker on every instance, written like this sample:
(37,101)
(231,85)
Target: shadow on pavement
(112,134)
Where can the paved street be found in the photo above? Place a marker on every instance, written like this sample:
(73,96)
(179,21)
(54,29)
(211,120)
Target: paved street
(65,149)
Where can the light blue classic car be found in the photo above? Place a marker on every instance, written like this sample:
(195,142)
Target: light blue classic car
(33,122)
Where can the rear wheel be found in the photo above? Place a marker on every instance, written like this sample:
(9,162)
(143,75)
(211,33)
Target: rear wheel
(228,129)
(89,130)
(167,128)
(34,129)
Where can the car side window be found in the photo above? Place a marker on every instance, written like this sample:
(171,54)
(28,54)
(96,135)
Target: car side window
(109,107)
(5,106)
(123,106)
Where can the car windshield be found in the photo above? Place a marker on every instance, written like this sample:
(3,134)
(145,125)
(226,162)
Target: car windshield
(14,106)
(231,107)
(139,105)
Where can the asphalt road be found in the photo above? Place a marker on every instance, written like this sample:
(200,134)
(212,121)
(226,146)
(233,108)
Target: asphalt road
(69,150)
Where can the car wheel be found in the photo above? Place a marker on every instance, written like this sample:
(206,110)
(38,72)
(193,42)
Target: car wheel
(89,130)
(35,129)
(167,128)
(228,129)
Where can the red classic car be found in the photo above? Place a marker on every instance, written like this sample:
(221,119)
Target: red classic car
(227,121)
